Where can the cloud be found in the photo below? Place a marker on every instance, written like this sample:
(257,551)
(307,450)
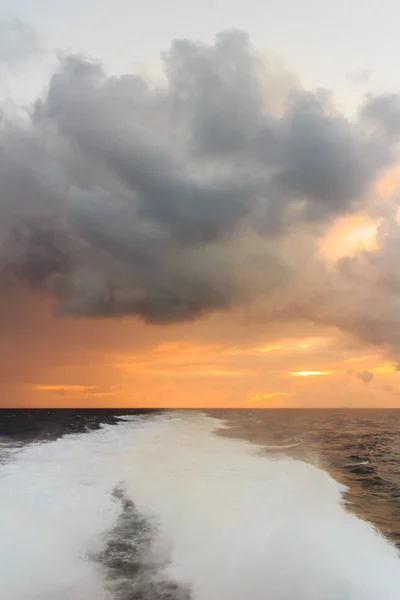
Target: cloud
(120,197)
(268,396)
(385,111)
(19,43)
(360,76)
(365,376)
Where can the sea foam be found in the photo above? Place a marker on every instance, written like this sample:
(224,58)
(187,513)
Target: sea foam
(227,522)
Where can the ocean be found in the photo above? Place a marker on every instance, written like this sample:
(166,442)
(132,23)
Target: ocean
(193,505)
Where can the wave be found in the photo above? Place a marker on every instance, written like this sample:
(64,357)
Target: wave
(161,500)
(284,446)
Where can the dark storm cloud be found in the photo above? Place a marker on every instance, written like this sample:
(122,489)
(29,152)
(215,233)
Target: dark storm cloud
(121,197)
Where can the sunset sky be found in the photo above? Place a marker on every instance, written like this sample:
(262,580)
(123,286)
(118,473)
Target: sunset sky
(199,204)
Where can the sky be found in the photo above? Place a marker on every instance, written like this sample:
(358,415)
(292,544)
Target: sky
(199,204)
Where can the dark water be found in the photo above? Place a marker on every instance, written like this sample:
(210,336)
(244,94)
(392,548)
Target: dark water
(48,424)
(360,448)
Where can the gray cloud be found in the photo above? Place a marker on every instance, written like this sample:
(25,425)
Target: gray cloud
(384,111)
(365,376)
(120,197)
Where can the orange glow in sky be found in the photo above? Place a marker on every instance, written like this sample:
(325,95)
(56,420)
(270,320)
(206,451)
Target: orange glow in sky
(348,236)
(63,388)
(186,373)
(183,374)
(261,397)
(389,183)
(309,373)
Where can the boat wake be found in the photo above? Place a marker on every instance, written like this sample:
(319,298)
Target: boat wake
(161,508)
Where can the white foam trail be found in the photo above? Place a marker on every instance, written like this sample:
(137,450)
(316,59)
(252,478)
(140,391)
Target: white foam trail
(236,525)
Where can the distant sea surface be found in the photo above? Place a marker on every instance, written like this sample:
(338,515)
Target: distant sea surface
(131,505)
